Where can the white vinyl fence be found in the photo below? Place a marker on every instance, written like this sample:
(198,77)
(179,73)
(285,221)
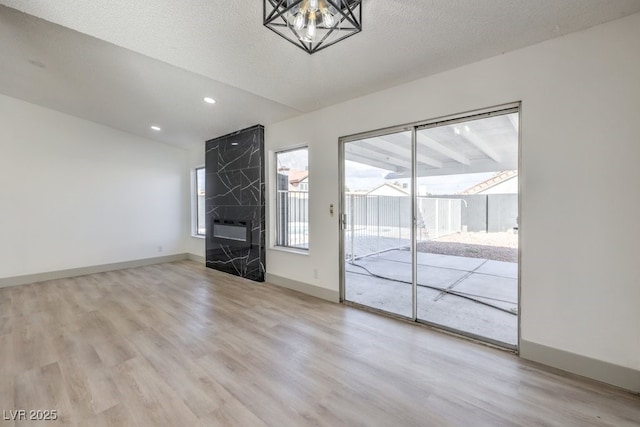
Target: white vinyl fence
(376,224)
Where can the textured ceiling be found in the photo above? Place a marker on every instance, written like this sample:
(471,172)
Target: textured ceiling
(225,43)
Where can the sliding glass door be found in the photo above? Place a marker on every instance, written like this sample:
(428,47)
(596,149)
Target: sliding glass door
(377,221)
(467,209)
(430,224)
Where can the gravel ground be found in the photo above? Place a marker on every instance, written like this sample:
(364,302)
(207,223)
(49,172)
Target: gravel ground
(493,246)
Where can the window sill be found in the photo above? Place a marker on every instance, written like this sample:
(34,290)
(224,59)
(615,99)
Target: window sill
(289,250)
(198,236)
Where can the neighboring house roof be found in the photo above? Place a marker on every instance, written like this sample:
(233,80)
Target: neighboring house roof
(297,176)
(498,178)
(388,188)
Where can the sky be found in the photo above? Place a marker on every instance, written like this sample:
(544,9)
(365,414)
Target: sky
(294,159)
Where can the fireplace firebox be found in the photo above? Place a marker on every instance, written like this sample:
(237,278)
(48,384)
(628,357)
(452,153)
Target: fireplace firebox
(232,233)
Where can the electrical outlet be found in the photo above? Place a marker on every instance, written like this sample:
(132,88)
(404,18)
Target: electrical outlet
(315,273)
(160,248)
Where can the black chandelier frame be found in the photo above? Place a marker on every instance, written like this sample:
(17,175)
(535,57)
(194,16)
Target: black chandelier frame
(348,16)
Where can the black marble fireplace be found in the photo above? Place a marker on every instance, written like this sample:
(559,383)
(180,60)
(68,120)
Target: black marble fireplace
(235,203)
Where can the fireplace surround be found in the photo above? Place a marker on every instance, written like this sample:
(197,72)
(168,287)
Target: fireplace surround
(235,203)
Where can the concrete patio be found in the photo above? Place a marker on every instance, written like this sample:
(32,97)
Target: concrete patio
(380,281)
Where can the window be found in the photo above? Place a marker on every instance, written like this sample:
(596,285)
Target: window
(199,223)
(292,199)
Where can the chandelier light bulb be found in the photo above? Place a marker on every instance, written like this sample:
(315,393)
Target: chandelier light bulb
(313,5)
(298,23)
(327,18)
(311,27)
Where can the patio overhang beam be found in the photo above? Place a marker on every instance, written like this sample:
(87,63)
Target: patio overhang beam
(427,142)
(395,147)
(482,146)
(392,159)
(372,162)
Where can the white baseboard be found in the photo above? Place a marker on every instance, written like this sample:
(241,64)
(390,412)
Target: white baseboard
(620,376)
(196,258)
(81,271)
(305,288)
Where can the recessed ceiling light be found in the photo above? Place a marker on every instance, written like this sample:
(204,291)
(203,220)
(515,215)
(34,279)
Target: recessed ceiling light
(234,143)
(156,128)
(209,100)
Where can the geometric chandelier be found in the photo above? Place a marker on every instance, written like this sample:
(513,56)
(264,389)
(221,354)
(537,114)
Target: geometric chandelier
(313,25)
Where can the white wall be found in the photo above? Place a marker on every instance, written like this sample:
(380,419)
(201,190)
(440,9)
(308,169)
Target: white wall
(76,194)
(580,227)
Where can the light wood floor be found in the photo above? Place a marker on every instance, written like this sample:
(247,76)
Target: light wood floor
(180,345)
